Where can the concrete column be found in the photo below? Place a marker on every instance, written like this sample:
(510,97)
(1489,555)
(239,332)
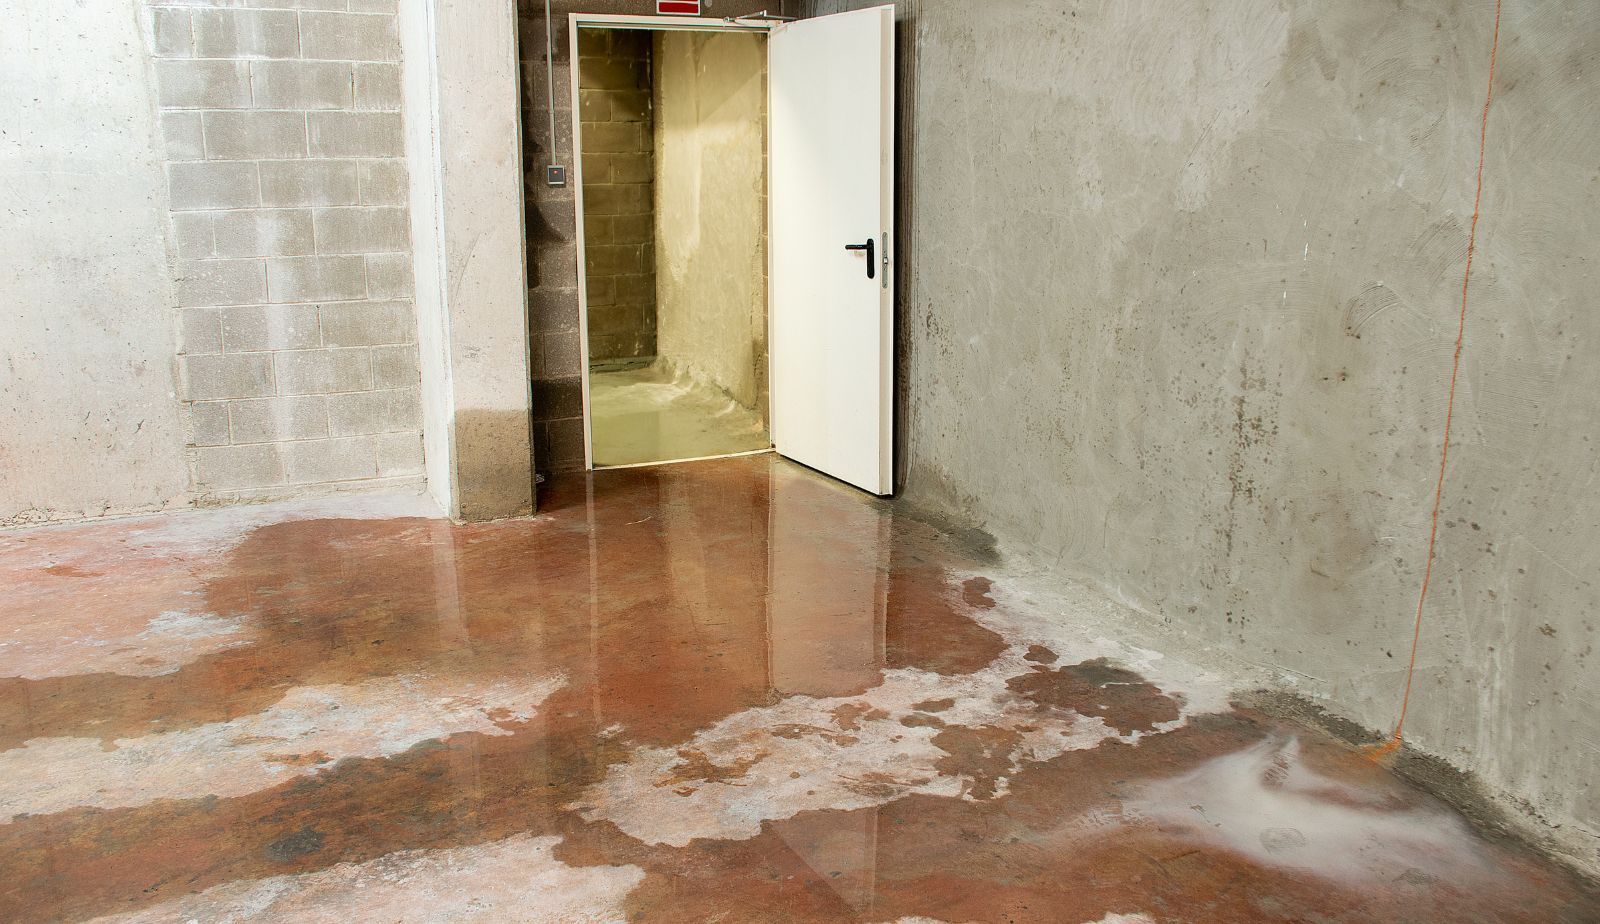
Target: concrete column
(463,142)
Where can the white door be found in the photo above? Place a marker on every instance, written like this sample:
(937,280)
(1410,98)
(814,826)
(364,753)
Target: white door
(831,163)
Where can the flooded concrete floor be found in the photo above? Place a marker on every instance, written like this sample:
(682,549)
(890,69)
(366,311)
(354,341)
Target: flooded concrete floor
(722,691)
(648,415)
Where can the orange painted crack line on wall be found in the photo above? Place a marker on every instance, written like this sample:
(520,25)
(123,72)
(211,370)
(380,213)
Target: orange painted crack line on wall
(1395,739)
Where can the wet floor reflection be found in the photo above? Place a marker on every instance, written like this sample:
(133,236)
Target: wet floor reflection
(723,689)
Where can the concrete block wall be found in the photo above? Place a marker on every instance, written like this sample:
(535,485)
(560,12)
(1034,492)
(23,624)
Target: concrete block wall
(289,240)
(555,359)
(614,103)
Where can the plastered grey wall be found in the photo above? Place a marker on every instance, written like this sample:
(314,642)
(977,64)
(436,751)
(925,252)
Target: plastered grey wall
(89,422)
(711,210)
(1182,300)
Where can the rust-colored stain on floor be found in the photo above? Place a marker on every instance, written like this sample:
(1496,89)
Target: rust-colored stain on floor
(725,691)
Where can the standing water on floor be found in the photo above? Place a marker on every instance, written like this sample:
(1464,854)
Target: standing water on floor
(724,691)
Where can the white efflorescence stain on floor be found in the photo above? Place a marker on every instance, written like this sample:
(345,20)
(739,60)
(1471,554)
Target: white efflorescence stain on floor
(306,732)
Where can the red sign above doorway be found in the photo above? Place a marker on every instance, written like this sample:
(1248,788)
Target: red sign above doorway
(678,7)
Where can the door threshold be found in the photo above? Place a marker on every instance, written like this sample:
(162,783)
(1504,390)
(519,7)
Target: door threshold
(726,455)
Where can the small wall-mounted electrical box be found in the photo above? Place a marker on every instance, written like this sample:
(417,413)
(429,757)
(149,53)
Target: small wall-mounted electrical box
(555,175)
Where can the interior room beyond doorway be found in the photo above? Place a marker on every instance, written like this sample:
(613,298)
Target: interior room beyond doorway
(673,156)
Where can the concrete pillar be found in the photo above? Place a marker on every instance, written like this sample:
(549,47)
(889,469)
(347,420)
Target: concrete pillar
(463,144)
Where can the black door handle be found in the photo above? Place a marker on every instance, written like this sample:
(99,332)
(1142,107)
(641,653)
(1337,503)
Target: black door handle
(872,261)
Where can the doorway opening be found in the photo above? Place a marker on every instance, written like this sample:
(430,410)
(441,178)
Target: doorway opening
(672,154)
(736,279)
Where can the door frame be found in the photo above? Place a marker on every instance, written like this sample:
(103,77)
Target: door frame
(575,22)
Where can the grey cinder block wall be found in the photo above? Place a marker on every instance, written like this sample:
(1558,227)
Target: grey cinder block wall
(289,240)
(615,75)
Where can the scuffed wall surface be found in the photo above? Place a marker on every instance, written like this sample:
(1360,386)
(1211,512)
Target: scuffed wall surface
(555,358)
(1182,306)
(89,423)
(614,80)
(291,244)
(711,210)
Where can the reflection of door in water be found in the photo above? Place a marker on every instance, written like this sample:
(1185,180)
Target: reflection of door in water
(826,635)
(841,848)
(687,643)
(825,620)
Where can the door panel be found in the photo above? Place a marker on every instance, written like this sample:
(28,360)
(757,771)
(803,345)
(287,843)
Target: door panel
(832,185)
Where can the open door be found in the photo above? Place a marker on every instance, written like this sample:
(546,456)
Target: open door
(831,166)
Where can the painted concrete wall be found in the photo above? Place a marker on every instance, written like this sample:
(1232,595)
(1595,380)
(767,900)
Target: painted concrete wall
(555,358)
(465,194)
(89,423)
(1183,293)
(711,209)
